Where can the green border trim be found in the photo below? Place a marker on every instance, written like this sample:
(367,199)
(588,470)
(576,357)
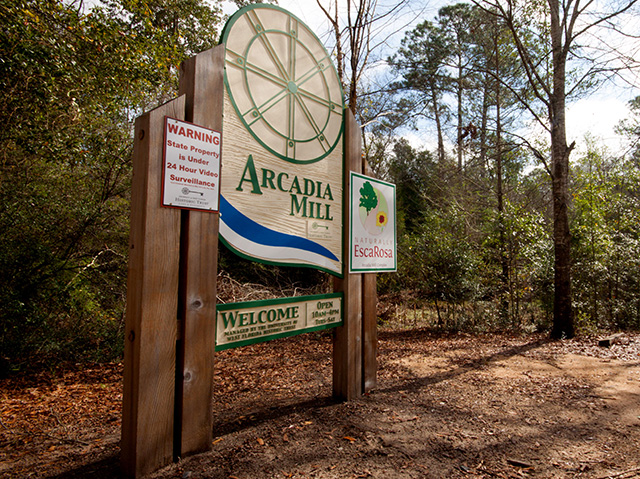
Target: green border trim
(223,38)
(351,220)
(269,302)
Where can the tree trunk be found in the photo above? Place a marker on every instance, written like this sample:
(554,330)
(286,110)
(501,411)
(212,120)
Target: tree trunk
(436,113)
(440,322)
(483,126)
(562,307)
(460,117)
(504,258)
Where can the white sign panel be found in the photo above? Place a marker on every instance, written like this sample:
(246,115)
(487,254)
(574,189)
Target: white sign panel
(191,174)
(281,193)
(373,225)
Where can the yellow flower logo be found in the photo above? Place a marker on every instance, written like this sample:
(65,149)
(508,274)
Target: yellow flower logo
(381,219)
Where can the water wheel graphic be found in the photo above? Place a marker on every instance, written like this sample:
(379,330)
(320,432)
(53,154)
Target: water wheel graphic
(282,84)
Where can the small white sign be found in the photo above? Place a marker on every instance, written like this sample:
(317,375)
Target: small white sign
(191,173)
(372,226)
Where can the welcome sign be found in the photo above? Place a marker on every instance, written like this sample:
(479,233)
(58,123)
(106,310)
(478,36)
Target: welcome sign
(282,177)
(239,324)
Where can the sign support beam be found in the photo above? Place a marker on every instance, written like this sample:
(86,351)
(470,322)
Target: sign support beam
(369,331)
(348,346)
(201,81)
(152,304)
(356,342)
(369,321)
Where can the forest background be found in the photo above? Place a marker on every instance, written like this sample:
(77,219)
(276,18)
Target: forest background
(475,212)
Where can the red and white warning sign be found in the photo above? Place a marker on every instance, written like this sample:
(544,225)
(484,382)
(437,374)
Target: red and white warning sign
(191,173)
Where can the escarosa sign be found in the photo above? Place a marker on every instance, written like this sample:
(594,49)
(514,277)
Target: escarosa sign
(282,174)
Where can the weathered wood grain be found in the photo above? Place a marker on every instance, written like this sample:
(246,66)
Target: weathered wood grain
(201,81)
(369,320)
(152,303)
(347,348)
(369,331)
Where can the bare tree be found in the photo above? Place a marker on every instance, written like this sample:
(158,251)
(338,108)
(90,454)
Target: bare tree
(362,31)
(564,47)
(361,28)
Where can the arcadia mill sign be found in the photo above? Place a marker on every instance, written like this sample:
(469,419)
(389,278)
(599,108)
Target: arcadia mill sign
(272,184)
(282,185)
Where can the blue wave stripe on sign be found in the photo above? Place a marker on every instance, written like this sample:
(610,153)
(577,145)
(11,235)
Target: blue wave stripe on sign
(257,233)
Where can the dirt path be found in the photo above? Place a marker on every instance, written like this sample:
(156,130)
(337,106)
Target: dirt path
(445,407)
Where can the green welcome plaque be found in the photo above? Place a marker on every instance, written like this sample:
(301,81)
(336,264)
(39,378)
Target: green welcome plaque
(239,324)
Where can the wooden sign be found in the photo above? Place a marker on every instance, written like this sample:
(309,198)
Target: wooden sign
(289,146)
(282,180)
(240,324)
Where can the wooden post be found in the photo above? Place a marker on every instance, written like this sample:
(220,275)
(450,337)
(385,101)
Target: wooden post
(369,331)
(201,80)
(369,322)
(347,346)
(152,305)
(356,342)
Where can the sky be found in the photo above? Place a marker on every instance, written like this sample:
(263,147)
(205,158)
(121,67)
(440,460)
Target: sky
(596,115)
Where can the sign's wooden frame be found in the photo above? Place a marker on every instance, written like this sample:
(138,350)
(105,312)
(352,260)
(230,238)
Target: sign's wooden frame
(171,303)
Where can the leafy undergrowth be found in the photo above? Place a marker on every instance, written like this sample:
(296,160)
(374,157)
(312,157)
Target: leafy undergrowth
(445,406)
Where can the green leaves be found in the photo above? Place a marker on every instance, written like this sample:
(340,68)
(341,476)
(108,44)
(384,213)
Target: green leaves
(606,241)
(71,84)
(368,197)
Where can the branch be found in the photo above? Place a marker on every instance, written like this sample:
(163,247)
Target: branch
(605,19)
(530,67)
(536,152)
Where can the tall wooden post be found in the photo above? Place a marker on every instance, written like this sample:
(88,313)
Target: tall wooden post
(356,342)
(369,322)
(347,346)
(369,332)
(152,305)
(171,302)
(201,80)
